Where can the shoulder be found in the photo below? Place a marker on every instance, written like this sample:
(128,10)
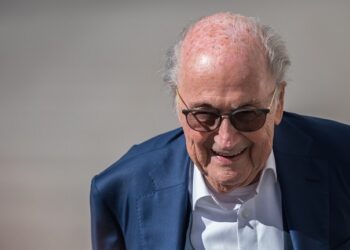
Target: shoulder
(134,167)
(158,142)
(311,122)
(325,135)
(317,127)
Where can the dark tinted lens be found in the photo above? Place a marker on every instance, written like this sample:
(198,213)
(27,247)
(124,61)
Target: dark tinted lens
(202,120)
(249,120)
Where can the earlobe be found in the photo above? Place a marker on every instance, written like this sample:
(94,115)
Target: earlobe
(280,104)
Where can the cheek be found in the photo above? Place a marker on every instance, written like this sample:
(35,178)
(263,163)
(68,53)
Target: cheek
(262,145)
(198,146)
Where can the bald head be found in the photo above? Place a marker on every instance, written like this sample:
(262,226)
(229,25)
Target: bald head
(219,33)
(220,43)
(222,38)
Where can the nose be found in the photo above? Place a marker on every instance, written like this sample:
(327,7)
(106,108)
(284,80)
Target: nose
(227,135)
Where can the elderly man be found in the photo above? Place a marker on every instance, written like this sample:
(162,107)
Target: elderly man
(241,173)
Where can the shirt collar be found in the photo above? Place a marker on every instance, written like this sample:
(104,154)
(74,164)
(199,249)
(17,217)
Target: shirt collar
(201,190)
(199,187)
(270,166)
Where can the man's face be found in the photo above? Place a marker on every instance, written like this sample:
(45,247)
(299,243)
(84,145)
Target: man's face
(227,157)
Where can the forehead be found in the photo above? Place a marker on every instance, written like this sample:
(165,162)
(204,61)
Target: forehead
(220,55)
(228,72)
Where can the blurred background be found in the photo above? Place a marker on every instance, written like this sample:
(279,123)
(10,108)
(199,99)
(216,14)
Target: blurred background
(80,82)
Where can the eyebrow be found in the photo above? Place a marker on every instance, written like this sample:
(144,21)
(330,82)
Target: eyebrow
(199,105)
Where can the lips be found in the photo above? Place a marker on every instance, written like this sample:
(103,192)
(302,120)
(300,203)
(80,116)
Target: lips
(228,154)
(226,158)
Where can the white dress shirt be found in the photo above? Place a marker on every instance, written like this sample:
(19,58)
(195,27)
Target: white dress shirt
(247,218)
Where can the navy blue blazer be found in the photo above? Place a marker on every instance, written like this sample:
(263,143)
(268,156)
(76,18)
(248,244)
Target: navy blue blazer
(142,201)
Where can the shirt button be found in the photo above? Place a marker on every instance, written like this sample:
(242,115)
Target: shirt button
(245,214)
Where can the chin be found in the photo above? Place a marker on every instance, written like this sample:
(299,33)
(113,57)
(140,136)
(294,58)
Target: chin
(226,179)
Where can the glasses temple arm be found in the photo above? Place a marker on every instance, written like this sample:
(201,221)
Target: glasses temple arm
(273,97)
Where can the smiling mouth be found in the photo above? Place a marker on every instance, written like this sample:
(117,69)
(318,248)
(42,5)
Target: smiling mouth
(229,155)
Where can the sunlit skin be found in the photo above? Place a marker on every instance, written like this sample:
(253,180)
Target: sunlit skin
(219,72)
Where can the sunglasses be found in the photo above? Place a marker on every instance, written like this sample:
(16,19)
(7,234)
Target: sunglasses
(246,119)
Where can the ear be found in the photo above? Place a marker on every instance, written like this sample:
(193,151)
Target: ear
(177,108)
(280,103)
(180,117)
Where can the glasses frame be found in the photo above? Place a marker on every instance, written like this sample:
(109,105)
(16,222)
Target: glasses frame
(229,115)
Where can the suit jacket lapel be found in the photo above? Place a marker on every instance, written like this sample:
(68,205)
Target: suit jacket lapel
(163,213)
(163,218)
(304,187)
